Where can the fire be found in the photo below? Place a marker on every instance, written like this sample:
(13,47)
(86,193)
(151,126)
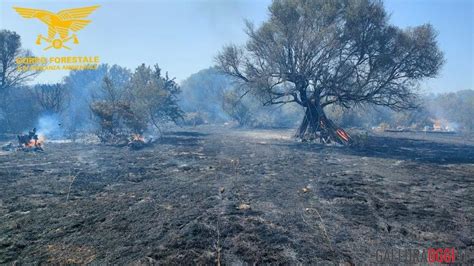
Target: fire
(138,137)
(36,143)
(137,141)
(437,125)
(441,125)
(341,133)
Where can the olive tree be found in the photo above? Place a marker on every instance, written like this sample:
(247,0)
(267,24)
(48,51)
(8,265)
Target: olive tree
(318,53)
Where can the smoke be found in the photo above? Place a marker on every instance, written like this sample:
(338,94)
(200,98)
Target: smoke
(82,86)
(453,126)
(203,94)
(50,126)
(226,18)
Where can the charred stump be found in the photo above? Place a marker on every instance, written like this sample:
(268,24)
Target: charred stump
(316,125)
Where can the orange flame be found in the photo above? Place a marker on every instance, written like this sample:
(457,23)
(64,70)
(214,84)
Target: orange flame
(341,133)
(36,143)
(138,137)
(437,125)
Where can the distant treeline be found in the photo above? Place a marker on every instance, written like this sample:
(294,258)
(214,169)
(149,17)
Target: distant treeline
(205,97)
(209,96)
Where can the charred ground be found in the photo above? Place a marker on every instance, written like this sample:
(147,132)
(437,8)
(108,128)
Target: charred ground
(209,194)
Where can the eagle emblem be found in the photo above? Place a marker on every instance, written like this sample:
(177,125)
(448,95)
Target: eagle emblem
(60,23)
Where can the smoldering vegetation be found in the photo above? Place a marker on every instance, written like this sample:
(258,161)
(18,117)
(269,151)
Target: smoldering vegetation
(224,189)
(63,110)
(246,162)
(211,195)
(213,98)
(228,184)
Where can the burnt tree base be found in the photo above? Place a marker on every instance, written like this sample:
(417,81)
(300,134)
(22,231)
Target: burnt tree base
(316,126)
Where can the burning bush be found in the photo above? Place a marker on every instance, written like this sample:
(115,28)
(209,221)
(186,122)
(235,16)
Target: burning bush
(31,141)
(115,117)
(116,121)
(147,100)
(137,142)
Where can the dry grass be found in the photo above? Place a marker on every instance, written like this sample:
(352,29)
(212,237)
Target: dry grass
(73,178)
(320,224)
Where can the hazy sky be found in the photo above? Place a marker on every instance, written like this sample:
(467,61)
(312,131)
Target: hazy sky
(183,36)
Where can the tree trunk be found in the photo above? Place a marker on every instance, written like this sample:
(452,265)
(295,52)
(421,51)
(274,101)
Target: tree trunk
(316,125)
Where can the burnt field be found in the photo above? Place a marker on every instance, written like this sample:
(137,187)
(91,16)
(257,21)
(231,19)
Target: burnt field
(211,195)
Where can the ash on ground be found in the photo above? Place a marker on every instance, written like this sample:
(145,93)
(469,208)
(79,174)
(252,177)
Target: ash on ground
(249,196)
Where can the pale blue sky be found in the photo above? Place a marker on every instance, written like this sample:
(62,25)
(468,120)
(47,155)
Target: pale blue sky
(183,36)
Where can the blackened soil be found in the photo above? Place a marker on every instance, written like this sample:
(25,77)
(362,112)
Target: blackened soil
(211,194)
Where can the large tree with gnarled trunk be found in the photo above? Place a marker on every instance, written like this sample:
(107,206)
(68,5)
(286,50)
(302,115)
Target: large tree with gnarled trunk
(322,52)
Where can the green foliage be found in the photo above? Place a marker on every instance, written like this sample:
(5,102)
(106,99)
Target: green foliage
(114,114)
(154,96)
(147,99)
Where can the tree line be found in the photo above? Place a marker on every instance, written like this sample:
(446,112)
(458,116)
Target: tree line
(112,101)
